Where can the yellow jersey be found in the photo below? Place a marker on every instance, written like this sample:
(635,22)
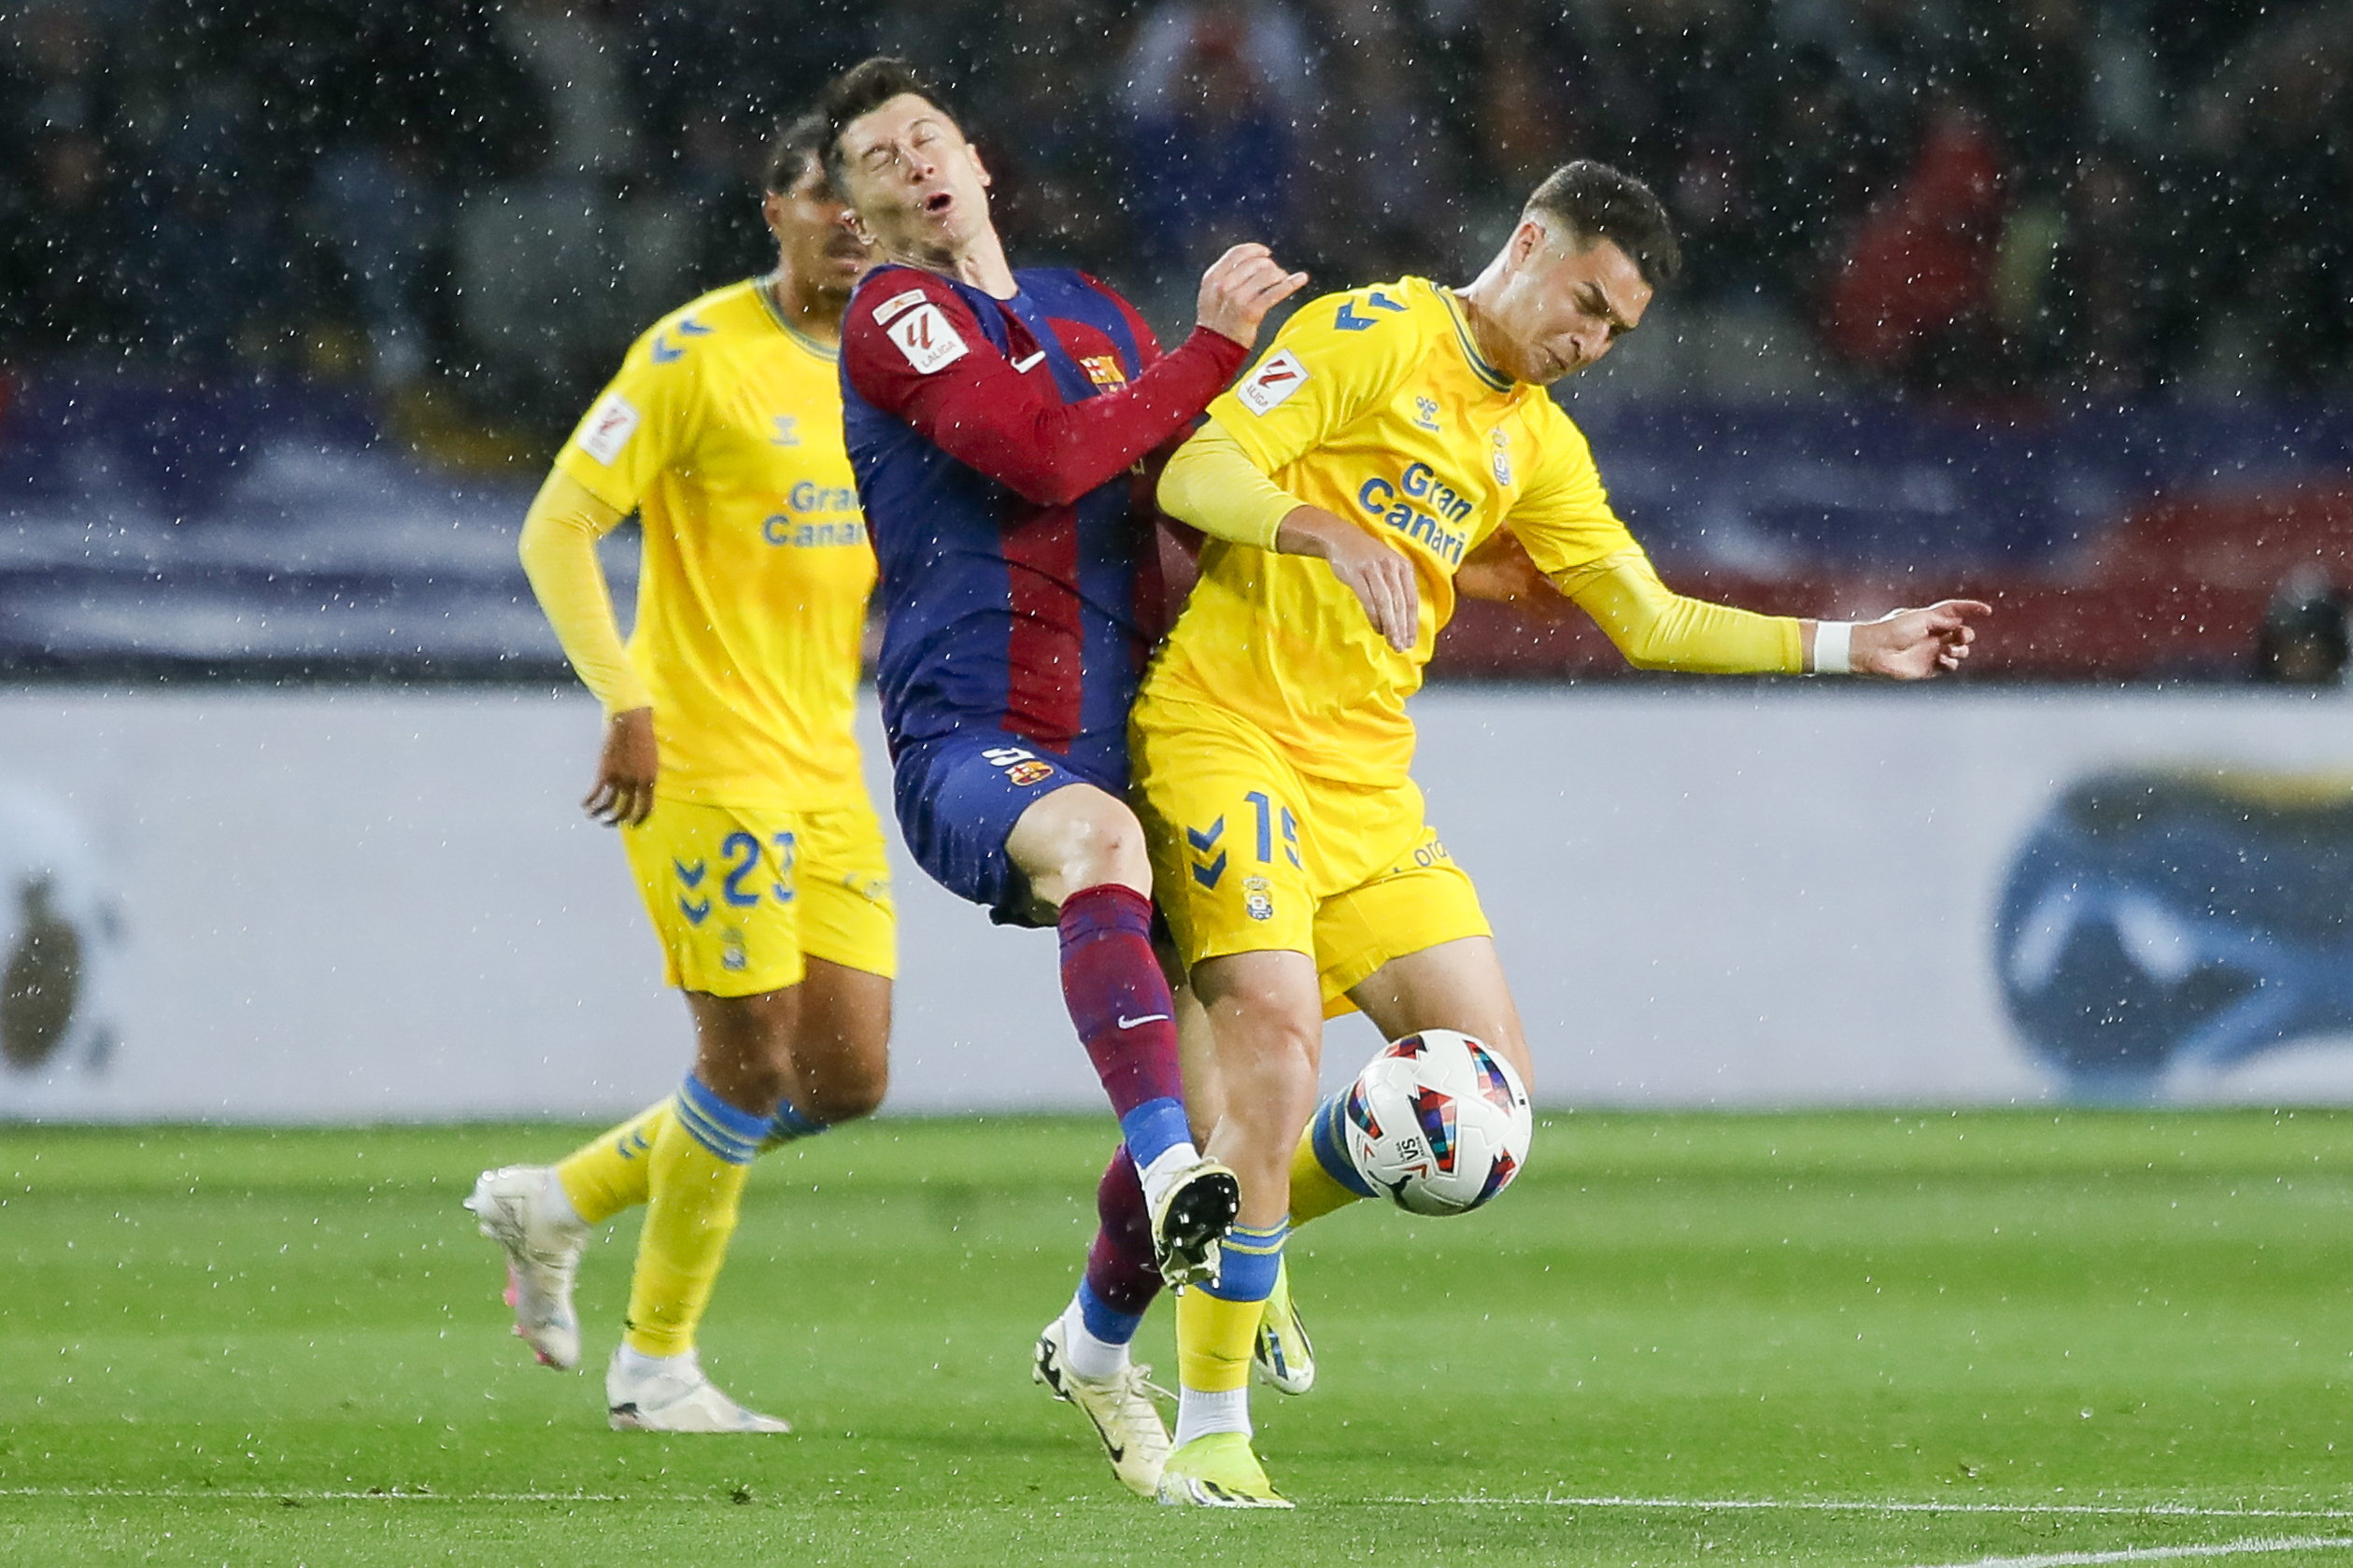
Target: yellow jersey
(723,432)
(1375,404)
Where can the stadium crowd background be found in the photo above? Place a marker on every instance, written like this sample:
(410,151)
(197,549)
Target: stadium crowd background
(2101,197)
(2051,299)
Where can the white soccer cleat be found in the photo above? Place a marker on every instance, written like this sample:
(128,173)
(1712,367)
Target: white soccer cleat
(542,1256)
(1121,1408)
(672,1394)
(1190,1216)
(1283,1357)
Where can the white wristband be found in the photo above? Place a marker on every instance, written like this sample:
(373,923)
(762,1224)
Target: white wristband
(1832,643)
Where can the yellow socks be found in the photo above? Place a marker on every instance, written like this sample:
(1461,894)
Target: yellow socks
(1215,1338)
(1217,1325)
(700,1158)
(608,1173)
(686,1158)
(1323,1178)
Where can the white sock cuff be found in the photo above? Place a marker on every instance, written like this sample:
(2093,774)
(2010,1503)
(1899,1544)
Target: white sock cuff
(558,1203)
(1157,1175)
(1200,1413)
(1085,1355)
(638,1361)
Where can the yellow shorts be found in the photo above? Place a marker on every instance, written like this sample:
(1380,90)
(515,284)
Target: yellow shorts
(741,898)
(1250,855)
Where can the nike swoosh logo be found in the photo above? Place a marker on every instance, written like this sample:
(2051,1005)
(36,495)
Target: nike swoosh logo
(1147,1018)
(1020,365)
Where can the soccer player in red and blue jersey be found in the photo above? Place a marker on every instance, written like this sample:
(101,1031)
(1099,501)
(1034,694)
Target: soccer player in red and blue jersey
(1000,423)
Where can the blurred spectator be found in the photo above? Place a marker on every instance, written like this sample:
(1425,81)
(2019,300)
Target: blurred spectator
(2302,641)
(2067,197)
(1385,185)
(1913,298)
(2033,72)
(1217,92)
(1031,76)
(2095,320)
(67,281)
(1891,55)
(1808,178)
(65,76)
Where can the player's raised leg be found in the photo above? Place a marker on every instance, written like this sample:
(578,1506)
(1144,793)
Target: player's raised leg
(1081,853)
(840,1069)
(1457,984)
(1266,1023)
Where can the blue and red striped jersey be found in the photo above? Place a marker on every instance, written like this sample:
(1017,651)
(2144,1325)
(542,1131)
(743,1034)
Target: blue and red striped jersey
(998,447)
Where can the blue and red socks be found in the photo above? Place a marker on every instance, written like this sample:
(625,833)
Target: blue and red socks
(1119,1002)
(1121,1279)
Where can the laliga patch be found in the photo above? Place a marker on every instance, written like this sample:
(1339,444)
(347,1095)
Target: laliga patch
(897,304)
(1264,388)
(608,427)
(924,335)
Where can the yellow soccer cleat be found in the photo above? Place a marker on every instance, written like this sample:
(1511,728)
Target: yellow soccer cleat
(1218,1471)
(1282,1355)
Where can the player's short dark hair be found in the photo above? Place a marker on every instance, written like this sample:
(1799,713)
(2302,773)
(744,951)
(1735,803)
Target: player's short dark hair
(796,141)
(1595,202)
(861,89)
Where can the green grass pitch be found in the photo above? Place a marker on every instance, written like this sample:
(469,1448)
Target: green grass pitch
(1856,1339)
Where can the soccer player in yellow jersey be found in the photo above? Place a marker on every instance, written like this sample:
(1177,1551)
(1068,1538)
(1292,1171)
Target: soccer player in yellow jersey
(730,768)
(1391,431)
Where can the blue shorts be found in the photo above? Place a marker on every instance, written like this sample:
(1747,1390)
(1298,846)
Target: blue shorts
(958,795)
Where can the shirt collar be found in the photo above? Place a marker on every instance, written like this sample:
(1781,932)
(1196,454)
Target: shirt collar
(1479,364)
(764,286)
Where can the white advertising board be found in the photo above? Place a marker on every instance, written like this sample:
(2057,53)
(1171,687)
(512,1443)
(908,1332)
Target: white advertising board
(353,904)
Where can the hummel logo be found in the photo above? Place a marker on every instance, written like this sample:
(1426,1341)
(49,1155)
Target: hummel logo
(1127,1023)
(1020,365)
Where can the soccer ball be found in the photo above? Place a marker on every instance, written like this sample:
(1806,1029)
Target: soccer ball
(1438,1122)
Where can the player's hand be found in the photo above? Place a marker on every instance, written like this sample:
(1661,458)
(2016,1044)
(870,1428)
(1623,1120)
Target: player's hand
(1240,288)
(1499,571)
(1914,645)
(625,769)
(1379,575)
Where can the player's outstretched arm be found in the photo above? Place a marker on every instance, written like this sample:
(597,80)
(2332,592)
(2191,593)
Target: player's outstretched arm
(1658,628)
(1902,645)
(558,550)
(930,363)
(1240,288)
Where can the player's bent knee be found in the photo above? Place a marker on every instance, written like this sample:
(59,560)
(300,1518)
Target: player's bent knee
(1110,850)
(836,1098)
(1077,838)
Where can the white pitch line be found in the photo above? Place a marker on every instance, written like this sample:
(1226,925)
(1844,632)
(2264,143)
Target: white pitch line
(2156,1554)
(1834,1505)
(192,1494)
(1691,1504)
